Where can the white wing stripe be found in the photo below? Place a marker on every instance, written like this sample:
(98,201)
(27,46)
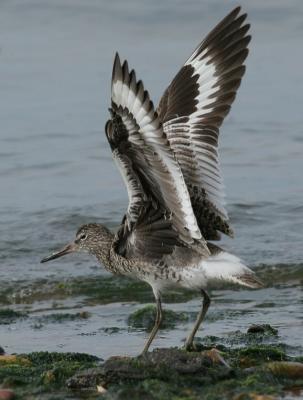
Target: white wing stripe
(134,188)
(164,166)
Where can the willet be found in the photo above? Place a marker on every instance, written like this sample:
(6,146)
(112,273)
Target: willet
(168,159)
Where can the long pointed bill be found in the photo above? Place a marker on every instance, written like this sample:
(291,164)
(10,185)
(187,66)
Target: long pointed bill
(70,248)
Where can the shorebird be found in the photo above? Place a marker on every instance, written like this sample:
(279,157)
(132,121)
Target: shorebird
(168,158)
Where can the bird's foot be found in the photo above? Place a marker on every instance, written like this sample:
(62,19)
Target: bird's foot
(144,352)
(190,346)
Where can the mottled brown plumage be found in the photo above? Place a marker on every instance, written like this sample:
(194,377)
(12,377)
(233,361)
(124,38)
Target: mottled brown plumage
(169,162)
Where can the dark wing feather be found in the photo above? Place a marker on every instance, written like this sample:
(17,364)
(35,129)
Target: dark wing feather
(193,108)
(152,238)
(152,175)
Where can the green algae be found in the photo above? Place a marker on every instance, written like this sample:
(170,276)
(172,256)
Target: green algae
(263,330)
(93,290)
(144,318)
(280,273)
(162,374)
(106,289)
(176,374)
(255,336)
(44,375)
(63,317)
(45,357)
(250,338)
(8,316)
(256,355)
(42,372)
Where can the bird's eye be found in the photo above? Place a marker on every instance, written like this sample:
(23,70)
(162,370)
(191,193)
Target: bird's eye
(83,236)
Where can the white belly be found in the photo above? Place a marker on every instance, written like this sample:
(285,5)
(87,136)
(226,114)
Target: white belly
(220,267)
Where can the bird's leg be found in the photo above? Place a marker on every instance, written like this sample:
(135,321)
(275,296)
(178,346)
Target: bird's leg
(200,318)
(159,317)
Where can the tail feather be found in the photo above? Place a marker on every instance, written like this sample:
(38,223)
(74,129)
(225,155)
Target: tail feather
(249,280)
(227,267)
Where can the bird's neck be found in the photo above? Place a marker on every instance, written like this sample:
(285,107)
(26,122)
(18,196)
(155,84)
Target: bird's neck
(102,252)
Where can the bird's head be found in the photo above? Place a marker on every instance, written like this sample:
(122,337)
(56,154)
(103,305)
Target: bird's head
(92,238)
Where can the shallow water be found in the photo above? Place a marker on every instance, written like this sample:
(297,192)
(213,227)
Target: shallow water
(56,170)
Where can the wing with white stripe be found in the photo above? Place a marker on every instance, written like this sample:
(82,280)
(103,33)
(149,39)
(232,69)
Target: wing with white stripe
(144,156)
(193,108)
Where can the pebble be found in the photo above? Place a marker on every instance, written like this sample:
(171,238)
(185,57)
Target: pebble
(6,394)
(101,389)
(286,369)
(264,328)
(215,356)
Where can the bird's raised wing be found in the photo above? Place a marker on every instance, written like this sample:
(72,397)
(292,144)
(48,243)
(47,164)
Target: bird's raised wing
(193,108)
(152,175)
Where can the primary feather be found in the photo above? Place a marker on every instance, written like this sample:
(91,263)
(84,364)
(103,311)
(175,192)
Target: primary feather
(169,158)
(193,108)
(150,170)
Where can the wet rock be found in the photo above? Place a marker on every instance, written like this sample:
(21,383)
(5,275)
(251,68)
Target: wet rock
(255,336)
(294,391)
(6,359)
(264,329)
(216,357)
(87,379)
(144,318)
(286,369)
(254,396)
(111,330)
(163,364)
(258,354)
(160,375)
(6,394)
(208,341)
(42,372)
